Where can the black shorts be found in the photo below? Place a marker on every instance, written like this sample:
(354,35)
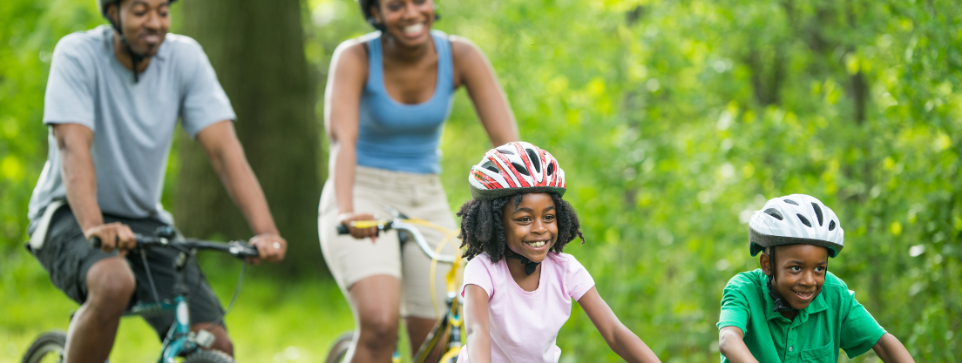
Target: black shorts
(67,257)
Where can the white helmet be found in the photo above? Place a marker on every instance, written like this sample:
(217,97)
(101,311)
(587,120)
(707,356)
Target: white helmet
(795,219)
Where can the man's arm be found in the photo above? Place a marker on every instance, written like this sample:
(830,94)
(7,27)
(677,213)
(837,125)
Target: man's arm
(890,349)
(227,157)
(731,343)
(80,182)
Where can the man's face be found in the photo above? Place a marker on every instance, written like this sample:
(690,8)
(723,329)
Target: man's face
(144,23)
(799,272)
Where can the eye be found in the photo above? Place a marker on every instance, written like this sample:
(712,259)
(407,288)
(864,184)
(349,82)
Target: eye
(795,268)
(820,269)
(524,219)
(549,217)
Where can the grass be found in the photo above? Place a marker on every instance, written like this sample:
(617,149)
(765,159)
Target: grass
(272,321)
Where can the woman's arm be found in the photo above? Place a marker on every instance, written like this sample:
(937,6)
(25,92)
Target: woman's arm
(890,349)
(618,337)
(731,343)
(342,99)
(476,324)
(471,68)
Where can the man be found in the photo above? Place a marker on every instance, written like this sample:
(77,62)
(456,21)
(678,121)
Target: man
(112,102)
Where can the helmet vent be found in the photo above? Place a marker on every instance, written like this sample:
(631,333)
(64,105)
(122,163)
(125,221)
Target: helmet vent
(818,213)
(774,213)
(792,202)
(550,169)
(804,220)
(490,166)
(521,169)
(831,225)
(506,151)
(535,160)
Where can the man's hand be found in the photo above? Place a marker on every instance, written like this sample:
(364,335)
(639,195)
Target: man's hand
(113,236)
(270,247)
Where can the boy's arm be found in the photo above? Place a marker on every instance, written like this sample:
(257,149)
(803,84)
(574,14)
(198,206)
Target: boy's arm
(619,338)
(889,349)
(731,343)
(476,324)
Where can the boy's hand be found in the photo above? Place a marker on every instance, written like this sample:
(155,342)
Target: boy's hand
(731,343)
(889,349)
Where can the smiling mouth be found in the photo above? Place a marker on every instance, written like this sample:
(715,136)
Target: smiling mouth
(413,30)
(536,244)
(804,295)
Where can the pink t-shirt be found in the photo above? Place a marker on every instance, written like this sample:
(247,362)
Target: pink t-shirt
(524,324)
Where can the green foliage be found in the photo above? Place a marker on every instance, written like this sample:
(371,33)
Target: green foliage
(673,121)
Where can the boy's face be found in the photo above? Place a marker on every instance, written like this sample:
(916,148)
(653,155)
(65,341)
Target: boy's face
(799,272)
(531,229)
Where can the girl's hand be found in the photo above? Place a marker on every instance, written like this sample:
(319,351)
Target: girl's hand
(618,337)
(476,324)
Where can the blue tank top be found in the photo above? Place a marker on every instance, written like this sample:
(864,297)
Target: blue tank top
(403,137)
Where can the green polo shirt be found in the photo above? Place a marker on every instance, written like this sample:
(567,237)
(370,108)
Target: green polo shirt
(833,321)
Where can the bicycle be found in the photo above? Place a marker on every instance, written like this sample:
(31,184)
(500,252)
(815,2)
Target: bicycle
(450,325)
(180,341)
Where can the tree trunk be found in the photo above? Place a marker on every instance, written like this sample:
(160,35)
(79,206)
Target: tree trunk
(257,49)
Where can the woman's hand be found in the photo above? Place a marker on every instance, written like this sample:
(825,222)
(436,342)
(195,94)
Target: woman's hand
(359,233)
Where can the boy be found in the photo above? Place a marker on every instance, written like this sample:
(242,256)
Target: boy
(793,309)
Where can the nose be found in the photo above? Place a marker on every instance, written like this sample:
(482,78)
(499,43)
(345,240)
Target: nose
(153,20)
(410,10)
(808,279)
(539,227)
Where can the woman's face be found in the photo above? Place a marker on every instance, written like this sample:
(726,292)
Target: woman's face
(531,229)
(407,21)
(799,272)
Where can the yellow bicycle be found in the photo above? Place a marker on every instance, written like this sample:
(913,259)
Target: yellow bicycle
(449,328)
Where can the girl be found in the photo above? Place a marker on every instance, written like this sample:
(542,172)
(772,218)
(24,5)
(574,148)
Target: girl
(518,285)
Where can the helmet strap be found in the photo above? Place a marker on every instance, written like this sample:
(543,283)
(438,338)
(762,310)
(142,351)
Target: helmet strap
(134,56)
(780,304)
(529,266)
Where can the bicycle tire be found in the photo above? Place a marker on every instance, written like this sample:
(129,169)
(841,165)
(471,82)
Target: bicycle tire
(209,356)
(47,343)
(339,348)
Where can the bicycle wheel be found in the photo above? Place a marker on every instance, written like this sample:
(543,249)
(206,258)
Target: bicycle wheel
(451,356)
(209,356)
(340,347)
(47,348)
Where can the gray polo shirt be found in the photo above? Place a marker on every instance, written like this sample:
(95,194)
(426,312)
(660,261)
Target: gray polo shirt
(133,124)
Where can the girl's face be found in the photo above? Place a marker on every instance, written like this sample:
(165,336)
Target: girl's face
(799,272)
(407,21)
(531,229)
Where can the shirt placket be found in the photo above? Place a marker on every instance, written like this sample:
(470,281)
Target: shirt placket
(792,348)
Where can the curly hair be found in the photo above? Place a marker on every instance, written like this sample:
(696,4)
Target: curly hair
(482,229)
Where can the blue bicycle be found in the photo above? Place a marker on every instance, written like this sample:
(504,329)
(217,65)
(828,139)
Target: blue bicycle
(180,341)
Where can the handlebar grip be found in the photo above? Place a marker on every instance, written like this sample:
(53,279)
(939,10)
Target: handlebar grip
(342,229)
(95,242)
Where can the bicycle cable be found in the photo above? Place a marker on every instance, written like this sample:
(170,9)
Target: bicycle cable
(150,276)
(233,299)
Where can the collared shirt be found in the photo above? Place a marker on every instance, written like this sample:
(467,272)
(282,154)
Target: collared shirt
(834,320)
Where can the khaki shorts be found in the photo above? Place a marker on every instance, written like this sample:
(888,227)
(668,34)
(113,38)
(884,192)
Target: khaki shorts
(352,260)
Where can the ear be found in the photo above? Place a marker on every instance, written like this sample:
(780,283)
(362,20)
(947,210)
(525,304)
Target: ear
(766,263)
(113,12)
(376,14)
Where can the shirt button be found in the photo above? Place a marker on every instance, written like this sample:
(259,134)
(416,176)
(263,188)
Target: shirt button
(789,349)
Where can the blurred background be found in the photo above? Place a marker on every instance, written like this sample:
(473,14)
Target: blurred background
(673,120)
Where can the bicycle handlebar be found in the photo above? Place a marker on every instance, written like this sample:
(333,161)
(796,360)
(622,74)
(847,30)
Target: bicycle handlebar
(237,249)
(400,225)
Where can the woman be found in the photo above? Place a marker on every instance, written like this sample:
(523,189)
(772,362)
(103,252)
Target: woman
(388,94)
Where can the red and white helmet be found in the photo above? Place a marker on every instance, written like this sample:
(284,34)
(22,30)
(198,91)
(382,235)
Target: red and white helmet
(516,167)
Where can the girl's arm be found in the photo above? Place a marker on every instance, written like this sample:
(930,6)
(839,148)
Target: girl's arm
(342,99)
(731,343)
(618,337)
(476,324)
(890,349)
(475,73)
